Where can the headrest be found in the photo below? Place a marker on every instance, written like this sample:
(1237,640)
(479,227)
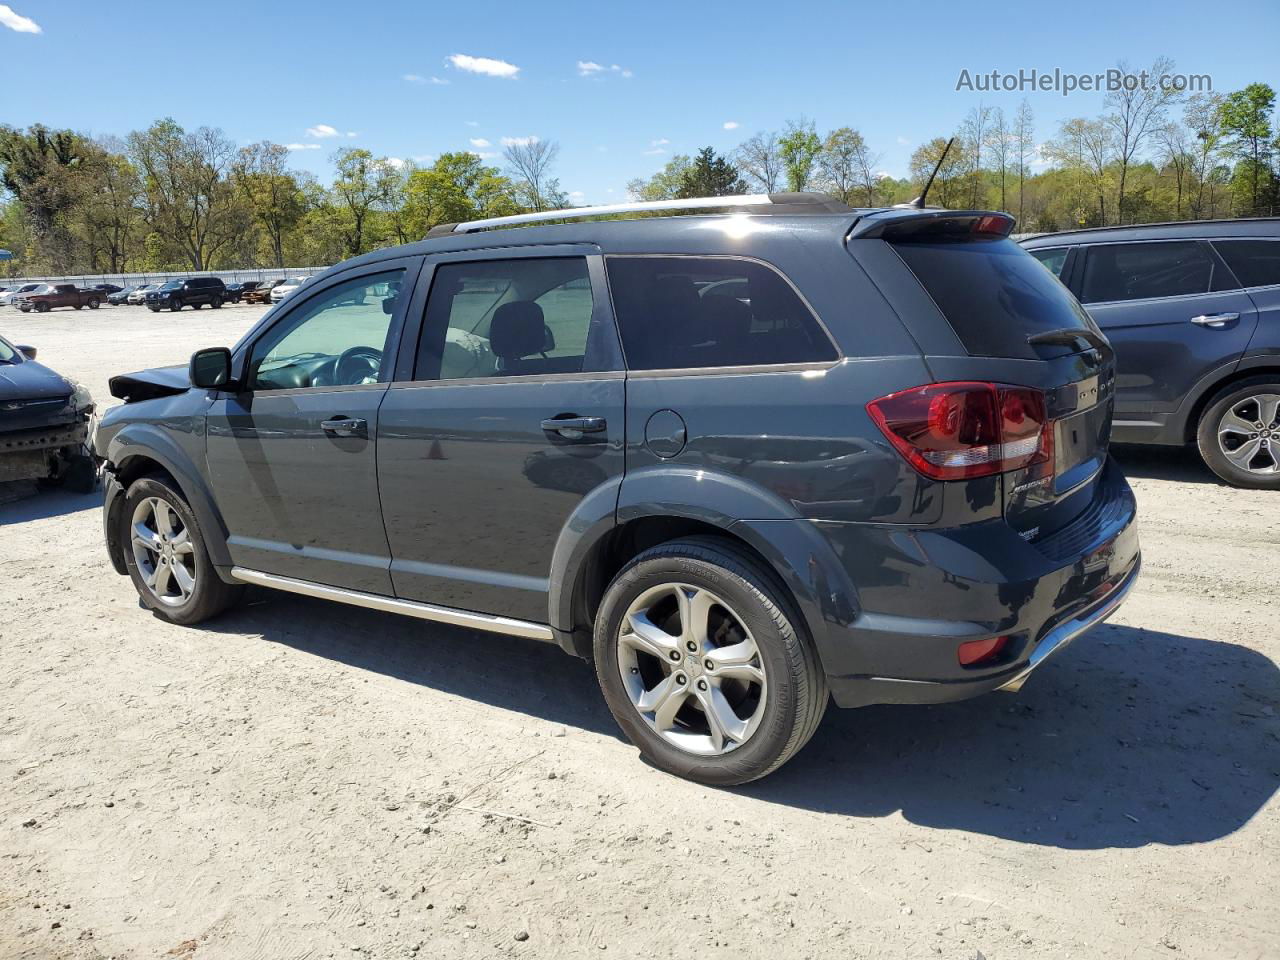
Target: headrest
(518,330)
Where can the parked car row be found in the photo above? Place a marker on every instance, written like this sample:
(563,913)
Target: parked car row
(194,292)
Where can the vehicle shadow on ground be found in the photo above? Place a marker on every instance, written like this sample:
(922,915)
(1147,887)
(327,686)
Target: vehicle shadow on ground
(1130,737)
(1182,464)
(22,501)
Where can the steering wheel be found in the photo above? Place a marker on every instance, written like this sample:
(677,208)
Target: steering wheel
(358,365)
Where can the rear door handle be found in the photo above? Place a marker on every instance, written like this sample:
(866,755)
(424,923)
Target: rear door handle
(573,428)
(1215,319)
(345,427)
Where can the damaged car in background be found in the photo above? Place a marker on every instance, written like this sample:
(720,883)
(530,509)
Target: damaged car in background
(44,423)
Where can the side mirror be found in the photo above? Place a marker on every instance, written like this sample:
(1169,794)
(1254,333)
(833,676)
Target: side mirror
(389,305)
(27,351)
(211,368)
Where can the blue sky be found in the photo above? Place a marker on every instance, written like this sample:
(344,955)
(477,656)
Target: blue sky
(621,86)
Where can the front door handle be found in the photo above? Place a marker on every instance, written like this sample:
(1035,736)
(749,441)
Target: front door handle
(345,427)
(574,428)
(1215,320)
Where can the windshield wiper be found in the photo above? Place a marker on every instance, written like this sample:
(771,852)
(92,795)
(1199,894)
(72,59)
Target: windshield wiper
(1069,335)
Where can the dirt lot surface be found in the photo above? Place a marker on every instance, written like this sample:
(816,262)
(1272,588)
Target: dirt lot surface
(306,780)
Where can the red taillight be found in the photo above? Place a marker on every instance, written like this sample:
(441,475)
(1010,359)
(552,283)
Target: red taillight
(976,652)
(953,431)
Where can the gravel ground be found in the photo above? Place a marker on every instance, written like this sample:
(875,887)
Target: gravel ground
(306,780)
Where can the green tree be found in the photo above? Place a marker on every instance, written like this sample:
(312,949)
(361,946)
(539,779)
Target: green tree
(270,188)
(946,185)
(42,168)
(799,148)
(1245,116)
(361,187)
(456,188)
(847,167)
(663,185)
(710,175)
(191,203)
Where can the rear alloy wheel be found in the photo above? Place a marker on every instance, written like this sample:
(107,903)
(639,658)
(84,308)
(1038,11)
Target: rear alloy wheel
(42,308)
(1239,434)
(93,304)
(215,303)
(166,557)
(701,665)
(175,304)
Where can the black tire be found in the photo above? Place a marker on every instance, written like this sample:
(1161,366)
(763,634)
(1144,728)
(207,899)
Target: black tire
(1212,417)
(154,309)
(215,303)
(175,304)
(93,304)
(42,308)
(77,305)
(211,595)
(797,688)
(81,475)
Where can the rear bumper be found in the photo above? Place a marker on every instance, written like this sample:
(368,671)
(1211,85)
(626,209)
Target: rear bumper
(922,593)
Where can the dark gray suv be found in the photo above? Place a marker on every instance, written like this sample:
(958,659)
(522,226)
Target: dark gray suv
(761,453)
(1193,312)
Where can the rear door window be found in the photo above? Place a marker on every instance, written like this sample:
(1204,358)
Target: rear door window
(993,293)
(1142,271)
(678,313)
(1256,263)
(500,318)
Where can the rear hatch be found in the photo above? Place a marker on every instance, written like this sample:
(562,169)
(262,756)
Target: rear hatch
(1017,324)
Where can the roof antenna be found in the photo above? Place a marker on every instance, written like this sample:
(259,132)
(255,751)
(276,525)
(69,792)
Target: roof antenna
(918,202)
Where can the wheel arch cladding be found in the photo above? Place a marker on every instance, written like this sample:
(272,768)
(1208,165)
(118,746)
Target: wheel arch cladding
(661,504)
(1269,368)
(134,451)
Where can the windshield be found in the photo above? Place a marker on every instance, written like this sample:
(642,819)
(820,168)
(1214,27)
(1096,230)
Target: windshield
(172,285)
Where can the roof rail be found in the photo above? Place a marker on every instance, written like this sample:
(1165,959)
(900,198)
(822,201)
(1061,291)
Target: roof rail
(754,202)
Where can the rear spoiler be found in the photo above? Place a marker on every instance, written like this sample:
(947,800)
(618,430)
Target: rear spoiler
(900,224)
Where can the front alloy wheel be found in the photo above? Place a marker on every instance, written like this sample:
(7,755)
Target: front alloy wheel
(163,552)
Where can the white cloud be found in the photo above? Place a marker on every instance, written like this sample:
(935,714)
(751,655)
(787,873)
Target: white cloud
(731,124)
(485,65)
(16,21)
(660,142)
(480,142)
(904,141)
(439,81)
(302,146)
(589,68)
(483,154)
(352,133)
(519,141)
(654,152)
(472,123)
(322,130)
(413,78)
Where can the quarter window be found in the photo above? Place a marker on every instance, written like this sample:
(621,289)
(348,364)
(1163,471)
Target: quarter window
(1054,258)
(684,312)
(337,338)
(1256,263)
(1139,271)
(502,318)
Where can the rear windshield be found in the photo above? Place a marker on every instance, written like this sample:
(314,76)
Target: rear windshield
(993,293)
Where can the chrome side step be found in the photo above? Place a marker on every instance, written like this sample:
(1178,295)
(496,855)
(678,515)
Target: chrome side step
(409,608)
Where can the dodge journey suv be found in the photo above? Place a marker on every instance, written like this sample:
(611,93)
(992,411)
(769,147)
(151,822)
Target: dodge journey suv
(747,457)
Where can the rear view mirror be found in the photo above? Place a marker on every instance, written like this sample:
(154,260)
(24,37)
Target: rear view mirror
(211,368)
(27,351)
